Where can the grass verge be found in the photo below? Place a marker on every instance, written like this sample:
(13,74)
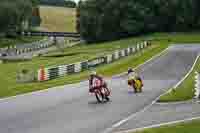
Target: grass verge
(184,91)
(4,42)
(186,127)
(177,37)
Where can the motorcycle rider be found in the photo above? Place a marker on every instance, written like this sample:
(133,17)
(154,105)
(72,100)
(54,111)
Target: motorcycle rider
(96,82)
(132,76)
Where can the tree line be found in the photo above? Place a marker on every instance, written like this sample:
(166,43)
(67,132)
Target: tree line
(14,13)
(99,20)
(64,3)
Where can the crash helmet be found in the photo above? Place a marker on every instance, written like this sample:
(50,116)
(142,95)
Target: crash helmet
(130,70)
(93,73)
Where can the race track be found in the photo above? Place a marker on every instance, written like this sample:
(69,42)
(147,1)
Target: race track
(70,109)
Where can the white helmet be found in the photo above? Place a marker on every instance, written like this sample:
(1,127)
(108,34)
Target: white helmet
(93,73)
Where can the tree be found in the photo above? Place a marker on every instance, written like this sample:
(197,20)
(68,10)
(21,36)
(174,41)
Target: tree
(101,20)
(65,3)
(14,13)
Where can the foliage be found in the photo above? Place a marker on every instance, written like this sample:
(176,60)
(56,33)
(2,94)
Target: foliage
(111,19)
(65,3)
(14,13)
(58,19)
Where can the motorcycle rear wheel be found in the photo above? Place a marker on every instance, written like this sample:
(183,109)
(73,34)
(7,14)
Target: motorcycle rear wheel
(107,98)
(99,97)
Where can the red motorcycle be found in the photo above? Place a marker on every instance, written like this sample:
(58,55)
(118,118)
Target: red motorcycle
(101,92)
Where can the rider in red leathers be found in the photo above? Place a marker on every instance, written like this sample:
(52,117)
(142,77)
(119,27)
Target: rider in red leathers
(96,82)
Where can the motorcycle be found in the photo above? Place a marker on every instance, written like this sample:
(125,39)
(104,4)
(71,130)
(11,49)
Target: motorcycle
(136,84)
(101,93)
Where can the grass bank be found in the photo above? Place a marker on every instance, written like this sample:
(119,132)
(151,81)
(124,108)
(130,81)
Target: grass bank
(187,127)
(184,91)
(58,19)
(4,42)
(177,37)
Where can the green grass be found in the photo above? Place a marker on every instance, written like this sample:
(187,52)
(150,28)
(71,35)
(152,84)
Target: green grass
(58,19)
(9,86)
(186,127)
(4,42)
(191,37)
(185,91)
(8,73)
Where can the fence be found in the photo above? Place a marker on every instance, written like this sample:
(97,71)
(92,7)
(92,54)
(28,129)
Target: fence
(36,46)
(55,72)
(26,48)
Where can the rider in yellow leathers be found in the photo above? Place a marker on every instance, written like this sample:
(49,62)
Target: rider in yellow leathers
(134,80)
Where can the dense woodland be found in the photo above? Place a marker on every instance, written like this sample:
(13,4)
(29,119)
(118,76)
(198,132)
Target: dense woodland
(100,20)
(14,12)
(17,14)
(65,3)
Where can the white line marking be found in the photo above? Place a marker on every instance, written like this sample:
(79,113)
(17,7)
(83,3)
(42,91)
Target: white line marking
(145,108)
(159,125)
(176,85)
(187,73)
(148,106)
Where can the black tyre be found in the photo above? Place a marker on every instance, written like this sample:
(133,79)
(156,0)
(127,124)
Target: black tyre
(107,98)
(134,88)
(99,97)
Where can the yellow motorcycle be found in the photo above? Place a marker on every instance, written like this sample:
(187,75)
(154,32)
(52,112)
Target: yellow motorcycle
(136,84)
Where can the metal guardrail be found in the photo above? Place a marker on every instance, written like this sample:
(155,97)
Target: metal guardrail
(26,48)
(13,51)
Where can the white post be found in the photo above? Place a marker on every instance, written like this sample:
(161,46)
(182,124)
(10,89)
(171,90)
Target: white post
(123,52)
(78,67)
(109,58)
(61,70)
(116,55)
(128,51)
(197,85)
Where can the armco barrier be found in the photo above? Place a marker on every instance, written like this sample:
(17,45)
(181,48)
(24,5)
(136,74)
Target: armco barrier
(55,72)
(96,61)
(84,65)
(71,69)
(25,48)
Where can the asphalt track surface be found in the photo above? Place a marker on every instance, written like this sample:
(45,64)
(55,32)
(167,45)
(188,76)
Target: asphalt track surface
(161,113)
(70,109)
